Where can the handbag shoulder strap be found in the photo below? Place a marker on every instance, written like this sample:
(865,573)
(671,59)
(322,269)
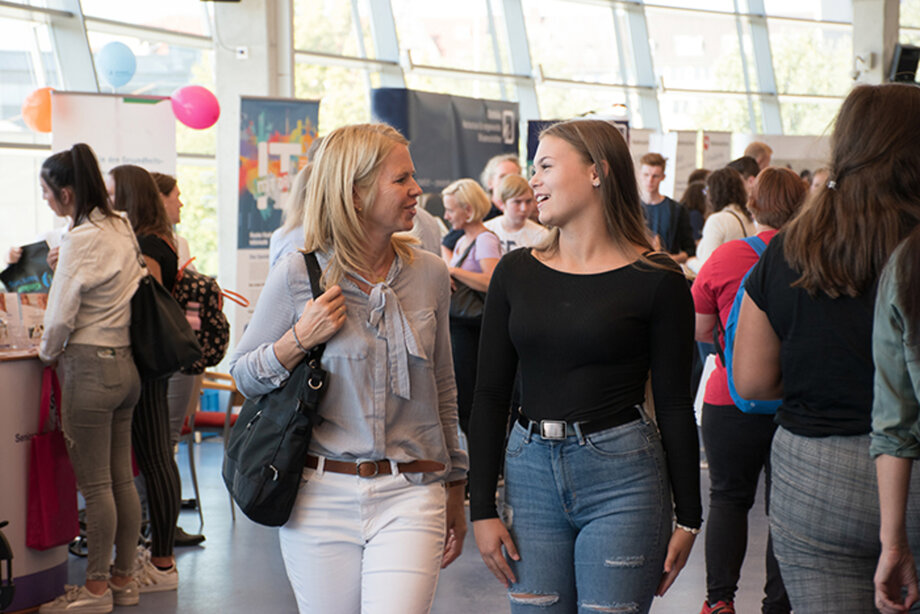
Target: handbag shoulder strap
(466,252)
(735,215)
(316,287)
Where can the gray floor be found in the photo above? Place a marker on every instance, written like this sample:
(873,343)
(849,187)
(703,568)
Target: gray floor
(239,567)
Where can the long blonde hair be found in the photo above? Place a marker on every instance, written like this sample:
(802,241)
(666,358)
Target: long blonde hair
(346,168)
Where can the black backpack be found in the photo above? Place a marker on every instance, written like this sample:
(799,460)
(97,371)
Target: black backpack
(202,301)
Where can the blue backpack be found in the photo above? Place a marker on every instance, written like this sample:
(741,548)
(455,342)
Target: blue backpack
(728,341)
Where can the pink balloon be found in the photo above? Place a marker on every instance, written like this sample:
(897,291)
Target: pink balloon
(195,106)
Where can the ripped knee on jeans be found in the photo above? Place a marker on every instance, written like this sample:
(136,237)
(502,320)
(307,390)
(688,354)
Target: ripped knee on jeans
(618,608)
(535,599)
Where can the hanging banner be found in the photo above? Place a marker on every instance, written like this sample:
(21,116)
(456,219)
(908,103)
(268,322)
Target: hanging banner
(275,134)
(121,129)
(274,137)
(452,136)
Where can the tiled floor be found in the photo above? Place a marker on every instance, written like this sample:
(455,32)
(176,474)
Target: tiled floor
(239,568)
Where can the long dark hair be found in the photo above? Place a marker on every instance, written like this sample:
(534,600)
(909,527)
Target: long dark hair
(694,198)
(77,168)
(165,183)
(726,187)
(137,194)
(845,233)
(600,143)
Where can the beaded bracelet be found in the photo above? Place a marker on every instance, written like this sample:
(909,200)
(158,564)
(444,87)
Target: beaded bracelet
(689,530)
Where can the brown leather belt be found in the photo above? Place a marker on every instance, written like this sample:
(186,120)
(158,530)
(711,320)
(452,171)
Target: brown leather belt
(371,469)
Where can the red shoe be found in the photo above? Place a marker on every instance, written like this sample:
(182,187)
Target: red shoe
(720,607)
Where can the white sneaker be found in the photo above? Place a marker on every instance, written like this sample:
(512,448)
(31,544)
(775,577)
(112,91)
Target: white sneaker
(129,594)
(151,579)
(78,600)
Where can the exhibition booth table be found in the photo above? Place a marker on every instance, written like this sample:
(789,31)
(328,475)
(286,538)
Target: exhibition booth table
(38,576)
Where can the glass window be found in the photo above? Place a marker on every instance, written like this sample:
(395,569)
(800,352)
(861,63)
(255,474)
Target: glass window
(566,102)
(327,26)
(197,180)
(161,67)
(574,41)
(810,9)
(342,92)
(681,111)
(811,58)
(808,116)
(23,211)
(715,58)
(910,13)
(450,34)
(178,15)
(710,5)
(488,89)
(26,64)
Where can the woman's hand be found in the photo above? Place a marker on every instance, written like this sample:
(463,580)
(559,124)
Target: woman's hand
(53,257)
(456,525)
(678,552)
(491,535)
(321,318)
(896,570)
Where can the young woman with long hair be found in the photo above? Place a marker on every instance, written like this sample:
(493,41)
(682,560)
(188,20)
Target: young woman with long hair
(588,515)
(737,443)
(373,522)
(805,335)
(136,194)
(86,335)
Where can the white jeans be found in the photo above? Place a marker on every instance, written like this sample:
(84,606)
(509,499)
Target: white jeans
(364,545)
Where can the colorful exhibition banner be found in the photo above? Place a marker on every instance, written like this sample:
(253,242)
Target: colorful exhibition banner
(121,129)
(452,136)
(275,134)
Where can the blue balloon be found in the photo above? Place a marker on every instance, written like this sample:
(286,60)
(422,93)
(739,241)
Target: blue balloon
(117,63)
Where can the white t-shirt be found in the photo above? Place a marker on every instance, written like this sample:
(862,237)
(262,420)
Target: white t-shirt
(529,235)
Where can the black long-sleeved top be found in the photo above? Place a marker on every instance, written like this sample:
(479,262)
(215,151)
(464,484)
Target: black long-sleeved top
(585,345)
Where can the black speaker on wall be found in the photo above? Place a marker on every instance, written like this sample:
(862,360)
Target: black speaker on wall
(904,63)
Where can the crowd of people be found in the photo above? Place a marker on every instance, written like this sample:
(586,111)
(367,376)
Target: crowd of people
(561,406)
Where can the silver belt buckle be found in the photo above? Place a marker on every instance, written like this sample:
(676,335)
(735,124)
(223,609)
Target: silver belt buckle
(552,429)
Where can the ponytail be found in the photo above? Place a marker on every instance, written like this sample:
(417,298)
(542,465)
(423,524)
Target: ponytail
(77,169)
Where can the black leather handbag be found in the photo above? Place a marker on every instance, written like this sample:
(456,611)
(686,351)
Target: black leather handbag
(466,304)
(162,341)
(267,448)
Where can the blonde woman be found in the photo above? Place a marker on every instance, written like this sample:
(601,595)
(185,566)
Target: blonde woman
(471,263)
(373,523)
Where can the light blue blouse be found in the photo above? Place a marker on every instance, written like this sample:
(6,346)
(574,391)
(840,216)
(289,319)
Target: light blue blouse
(391,391)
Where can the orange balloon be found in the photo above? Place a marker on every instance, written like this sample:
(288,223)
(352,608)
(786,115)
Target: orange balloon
(36,110)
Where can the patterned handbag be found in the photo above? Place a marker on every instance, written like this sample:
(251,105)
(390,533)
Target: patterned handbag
(203,302)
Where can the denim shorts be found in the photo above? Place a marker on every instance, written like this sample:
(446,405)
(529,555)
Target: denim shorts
(590,516)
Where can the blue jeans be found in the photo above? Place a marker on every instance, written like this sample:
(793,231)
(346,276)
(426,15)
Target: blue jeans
(591,519)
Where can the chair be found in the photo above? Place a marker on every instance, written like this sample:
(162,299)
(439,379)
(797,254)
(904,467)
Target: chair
(211,421)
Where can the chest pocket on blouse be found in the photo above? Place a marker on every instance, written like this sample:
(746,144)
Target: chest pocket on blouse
(350,342)
(425,324)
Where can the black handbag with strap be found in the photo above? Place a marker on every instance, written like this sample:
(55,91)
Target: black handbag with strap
(162,341)
(466,304)
(267,448)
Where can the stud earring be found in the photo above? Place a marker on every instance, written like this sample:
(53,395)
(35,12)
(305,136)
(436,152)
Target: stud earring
(596,184)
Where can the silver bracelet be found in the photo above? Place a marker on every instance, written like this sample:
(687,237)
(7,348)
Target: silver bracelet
(296,340)
(688,529)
